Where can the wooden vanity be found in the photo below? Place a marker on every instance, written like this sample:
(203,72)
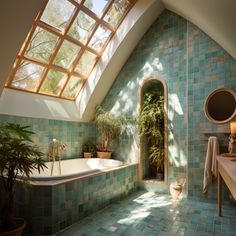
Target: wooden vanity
(227,172)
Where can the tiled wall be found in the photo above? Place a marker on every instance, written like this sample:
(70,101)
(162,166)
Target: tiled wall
(49,209)
(73,134)
(209,67)
(160,53)
(193,65)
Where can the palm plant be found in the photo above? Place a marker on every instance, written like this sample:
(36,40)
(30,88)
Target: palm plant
(18,157)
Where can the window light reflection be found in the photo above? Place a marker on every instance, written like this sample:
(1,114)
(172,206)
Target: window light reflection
(145,202)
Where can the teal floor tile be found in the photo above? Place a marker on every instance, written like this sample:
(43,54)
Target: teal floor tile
(151,214)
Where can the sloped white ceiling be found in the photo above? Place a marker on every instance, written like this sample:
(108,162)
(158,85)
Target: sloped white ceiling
(215,17)
(16,18)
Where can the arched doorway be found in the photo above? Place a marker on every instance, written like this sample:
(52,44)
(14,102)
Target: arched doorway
(153,151)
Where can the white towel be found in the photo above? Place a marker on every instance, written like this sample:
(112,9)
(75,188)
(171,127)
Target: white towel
(211,162)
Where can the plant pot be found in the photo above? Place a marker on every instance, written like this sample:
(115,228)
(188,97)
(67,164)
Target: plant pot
(104,155)
(88,154)
(175,190)
(17,231)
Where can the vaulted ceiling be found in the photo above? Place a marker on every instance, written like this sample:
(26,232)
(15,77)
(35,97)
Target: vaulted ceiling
(215,17)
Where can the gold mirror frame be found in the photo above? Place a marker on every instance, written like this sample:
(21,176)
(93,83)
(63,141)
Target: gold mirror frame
(225,106)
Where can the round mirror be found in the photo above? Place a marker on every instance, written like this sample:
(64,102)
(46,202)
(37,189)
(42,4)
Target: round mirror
(220,105)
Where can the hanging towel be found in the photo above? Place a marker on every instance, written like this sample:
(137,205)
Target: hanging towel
(211,162)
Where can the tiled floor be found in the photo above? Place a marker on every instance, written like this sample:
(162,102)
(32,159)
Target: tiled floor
(146,213)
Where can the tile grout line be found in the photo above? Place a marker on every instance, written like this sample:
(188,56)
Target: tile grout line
(187,127)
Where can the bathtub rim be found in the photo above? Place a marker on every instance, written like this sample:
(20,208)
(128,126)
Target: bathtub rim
(37,177)
(43,183)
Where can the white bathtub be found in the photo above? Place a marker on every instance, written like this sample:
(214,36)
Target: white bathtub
(74,167)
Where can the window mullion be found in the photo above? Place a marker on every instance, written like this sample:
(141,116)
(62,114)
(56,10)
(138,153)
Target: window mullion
(61,37)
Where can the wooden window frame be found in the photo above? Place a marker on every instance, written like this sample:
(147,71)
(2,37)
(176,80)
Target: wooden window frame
(62,35)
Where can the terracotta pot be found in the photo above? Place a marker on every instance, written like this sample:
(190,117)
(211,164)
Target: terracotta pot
(175,190)
(17,231)
(104,155)
(88,154)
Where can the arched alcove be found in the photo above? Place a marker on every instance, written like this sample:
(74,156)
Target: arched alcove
(153,86)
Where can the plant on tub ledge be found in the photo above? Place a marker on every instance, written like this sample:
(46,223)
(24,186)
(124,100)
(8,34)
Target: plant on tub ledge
(110,127)
(89,149)
(18,156)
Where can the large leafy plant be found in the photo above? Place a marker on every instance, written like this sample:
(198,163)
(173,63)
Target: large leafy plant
(109,126)
(151,126)
(18,157)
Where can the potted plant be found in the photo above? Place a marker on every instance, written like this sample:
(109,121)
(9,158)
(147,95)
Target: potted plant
(109,127)
(151,126)
(89,149)
(18,156)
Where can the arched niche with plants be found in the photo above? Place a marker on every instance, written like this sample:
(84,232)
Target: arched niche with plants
(152,130)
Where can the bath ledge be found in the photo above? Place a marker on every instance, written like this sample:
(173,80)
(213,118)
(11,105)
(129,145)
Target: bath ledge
(94,173)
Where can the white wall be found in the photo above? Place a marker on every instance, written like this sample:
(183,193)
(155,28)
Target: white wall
(19,103)
(16,18)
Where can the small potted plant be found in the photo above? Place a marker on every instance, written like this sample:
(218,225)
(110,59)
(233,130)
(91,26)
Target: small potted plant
(89,149)
(18,157)
(109,127)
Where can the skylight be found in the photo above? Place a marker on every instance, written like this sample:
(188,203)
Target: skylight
(65,42)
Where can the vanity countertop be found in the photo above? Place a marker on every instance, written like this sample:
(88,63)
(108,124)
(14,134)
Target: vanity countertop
(229,164)
(227,172)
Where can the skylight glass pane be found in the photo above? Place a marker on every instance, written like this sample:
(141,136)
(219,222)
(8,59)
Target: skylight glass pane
(95,5)
(81,27)
(99,38)
(50,51)
(27,76)
(66,54)
(116,11)
(53,82)
(41,45)
(57,13)
(86,63)
(73,86)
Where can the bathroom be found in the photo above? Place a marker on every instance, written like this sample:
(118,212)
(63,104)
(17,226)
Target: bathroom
(191,64)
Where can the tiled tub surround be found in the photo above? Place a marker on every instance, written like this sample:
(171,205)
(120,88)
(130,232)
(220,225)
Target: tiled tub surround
(54,205)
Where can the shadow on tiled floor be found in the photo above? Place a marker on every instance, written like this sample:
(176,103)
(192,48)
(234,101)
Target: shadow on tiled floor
(146,213)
